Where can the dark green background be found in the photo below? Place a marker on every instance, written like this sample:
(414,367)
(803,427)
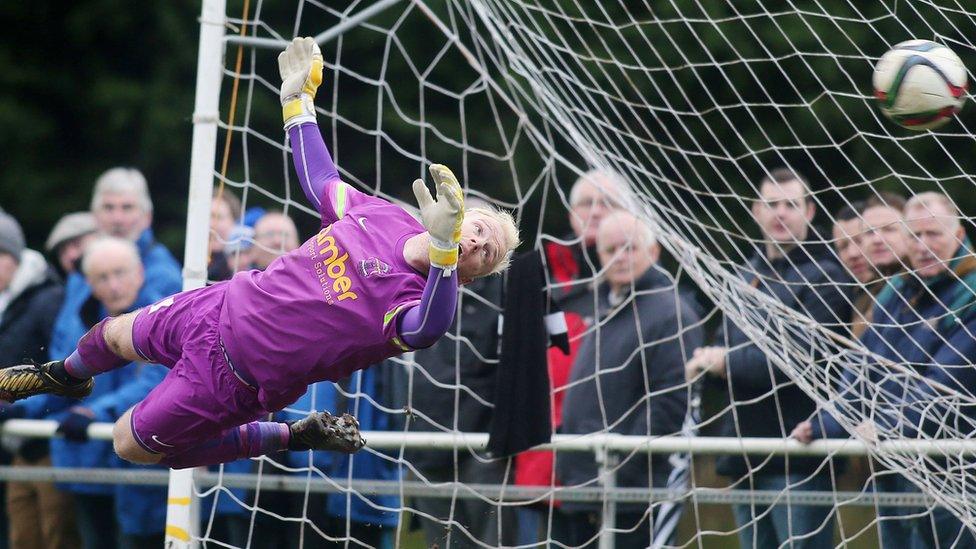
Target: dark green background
(95,83)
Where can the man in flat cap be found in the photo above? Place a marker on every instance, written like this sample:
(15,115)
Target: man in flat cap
(68,240)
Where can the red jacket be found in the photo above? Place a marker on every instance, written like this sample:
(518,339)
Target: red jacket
(535,467)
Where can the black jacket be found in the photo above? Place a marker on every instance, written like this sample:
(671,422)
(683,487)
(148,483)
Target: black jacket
(628,378)
(25,324)
(458,372)
(766,403)
(36,294)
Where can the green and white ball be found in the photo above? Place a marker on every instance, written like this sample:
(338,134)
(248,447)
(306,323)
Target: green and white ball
(920,84)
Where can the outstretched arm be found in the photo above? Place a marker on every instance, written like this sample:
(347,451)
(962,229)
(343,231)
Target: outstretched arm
(300,66)
(317,175)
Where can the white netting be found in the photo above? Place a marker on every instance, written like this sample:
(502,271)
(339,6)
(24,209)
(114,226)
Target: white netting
(693,104)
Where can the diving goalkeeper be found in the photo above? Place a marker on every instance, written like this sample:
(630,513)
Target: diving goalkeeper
(371,284)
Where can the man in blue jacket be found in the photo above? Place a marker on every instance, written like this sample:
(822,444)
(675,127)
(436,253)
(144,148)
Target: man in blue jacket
(122,208)
(114,273)
(803,274)
(348,515)
(924,321)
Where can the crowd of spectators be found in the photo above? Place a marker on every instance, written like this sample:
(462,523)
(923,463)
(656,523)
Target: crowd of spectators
(897,274)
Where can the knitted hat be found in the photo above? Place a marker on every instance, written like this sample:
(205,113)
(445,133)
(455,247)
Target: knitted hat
(241,238)
(70,227)
(11,236)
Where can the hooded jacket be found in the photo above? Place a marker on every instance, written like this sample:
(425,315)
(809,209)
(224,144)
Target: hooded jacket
(766,402)
(628,378)
(33,297)
(35,294)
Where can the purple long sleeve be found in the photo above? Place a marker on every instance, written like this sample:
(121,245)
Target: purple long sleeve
(313,163)
(424,324)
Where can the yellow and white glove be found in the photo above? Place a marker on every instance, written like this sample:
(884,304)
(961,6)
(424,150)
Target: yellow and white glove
(300,66)
(442,217)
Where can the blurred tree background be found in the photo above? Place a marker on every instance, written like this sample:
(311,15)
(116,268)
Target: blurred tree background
(91,84)
(88,85)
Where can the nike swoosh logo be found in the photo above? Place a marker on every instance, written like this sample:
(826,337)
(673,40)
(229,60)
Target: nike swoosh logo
(362,222)
(161,443)
(164,303)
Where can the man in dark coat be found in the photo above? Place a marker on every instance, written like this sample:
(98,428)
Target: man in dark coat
(30,295)
(453,386)
(628,378)
(804,276)
(923,321)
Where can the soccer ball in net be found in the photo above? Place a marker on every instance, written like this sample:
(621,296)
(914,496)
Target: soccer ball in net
(920,84)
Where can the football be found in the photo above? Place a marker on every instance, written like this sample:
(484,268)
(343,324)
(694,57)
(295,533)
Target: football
(920,84)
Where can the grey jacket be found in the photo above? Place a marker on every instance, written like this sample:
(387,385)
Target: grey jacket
(628,378)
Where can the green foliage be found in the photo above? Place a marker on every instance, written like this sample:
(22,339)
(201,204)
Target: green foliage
(85,86)
(96,83)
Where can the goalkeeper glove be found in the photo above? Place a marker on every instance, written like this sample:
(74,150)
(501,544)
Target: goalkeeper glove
(300,66)
(442,217)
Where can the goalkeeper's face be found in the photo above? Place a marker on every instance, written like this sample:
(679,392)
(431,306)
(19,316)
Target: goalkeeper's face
(483,246)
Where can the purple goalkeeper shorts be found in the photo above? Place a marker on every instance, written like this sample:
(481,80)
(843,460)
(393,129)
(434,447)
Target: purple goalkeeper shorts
(202,395)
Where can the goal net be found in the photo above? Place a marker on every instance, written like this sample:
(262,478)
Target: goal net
(692,105)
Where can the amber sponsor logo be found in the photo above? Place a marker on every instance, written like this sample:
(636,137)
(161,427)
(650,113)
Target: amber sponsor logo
(329,262)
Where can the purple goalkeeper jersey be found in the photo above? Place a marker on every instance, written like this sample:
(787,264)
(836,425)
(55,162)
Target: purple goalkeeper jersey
(329,307)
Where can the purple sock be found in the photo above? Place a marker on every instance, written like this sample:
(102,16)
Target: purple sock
(93,355)
(257,438)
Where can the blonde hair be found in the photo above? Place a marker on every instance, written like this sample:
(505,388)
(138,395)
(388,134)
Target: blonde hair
(509,230)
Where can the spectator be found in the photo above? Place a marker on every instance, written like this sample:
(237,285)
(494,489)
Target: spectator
(275,234)
(926,319)
(39,515)
(114,272)
(225,213)
(68,240)
(238,248)
(847,240)
(351,518)
(885,237)
(639,309)
(570,267)
(123,208)
(116,277)
(464,361)
(803,275)
(872,243)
